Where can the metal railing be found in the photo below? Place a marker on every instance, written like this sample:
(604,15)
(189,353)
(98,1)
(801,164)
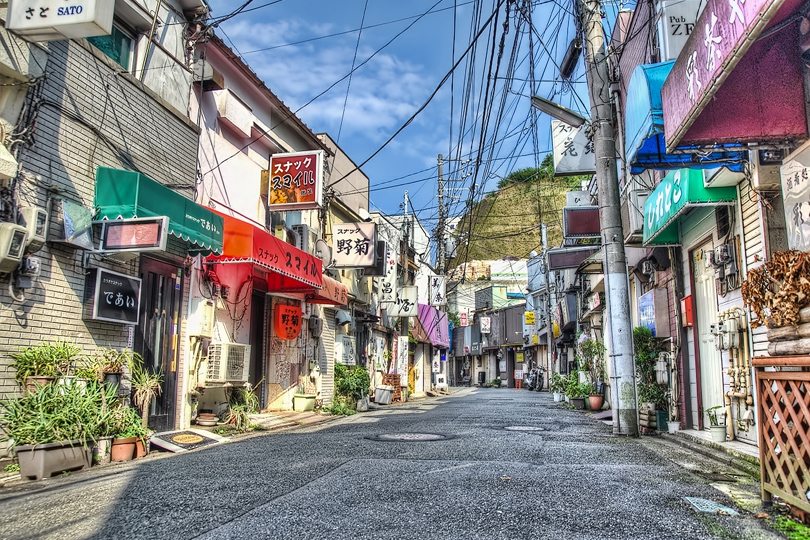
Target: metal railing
(783,396)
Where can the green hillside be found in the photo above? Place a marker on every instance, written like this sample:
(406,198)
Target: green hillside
(507,222)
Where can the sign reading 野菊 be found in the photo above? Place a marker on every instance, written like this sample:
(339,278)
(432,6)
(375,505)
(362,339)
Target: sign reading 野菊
(287,321)
(295,180)
(353,244)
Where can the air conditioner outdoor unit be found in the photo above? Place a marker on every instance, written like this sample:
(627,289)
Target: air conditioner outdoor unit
(302,237)
(228,362)
(765,170)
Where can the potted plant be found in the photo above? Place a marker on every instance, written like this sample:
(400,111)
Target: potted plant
(52,430)
(646,353)
(576,391)
(352,384)
(108,365)
(146,386)
(590,356)
(242,402)
(717,430)
(127,429)
(40,364)
(557,386)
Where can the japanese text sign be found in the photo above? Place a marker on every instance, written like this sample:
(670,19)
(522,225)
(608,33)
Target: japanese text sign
(402,360)
(573,150)
(528,317)
(724,31)
(295,180)
(388,283)
(437,295)
(354,244)
(405,304)
(46,20)
(347,357)
(486,325)
(113,297)
(287,321)
(795,173)
(463,318)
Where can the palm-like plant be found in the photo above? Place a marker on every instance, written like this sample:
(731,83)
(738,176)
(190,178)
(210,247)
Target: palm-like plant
(146,386)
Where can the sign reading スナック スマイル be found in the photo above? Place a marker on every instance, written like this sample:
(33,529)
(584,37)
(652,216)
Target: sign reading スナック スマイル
(294,180)
(354,244)
(46,20)
(287,321)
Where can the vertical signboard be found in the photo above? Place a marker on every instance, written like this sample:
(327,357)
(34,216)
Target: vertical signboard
(437,292)
(112,297)
(402,360)
(347,356)
(463,318)
(486,325)
(388,282)
(573,150)
(795,173)
(354,244)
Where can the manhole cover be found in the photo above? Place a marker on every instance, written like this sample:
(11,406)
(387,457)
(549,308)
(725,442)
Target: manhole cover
(409,437)
(710,507)
(524,428)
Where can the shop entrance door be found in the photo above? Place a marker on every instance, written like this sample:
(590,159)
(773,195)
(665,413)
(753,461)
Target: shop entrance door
(708,363)
(157,334)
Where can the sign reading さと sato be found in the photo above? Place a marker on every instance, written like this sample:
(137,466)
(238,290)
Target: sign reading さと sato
(294,181)
(46,20)
(287,321)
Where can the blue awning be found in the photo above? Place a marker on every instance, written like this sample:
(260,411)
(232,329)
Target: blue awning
(644,129)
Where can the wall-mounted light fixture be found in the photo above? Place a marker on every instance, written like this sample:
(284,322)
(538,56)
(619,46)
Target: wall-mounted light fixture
(558,111)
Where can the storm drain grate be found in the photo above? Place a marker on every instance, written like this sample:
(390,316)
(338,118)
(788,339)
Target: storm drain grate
(410,437)
(524,428)
(710,507)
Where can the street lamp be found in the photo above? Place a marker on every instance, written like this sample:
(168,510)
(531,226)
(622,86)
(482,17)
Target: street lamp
(558,111)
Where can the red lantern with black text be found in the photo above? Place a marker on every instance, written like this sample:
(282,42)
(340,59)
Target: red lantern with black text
(287,321)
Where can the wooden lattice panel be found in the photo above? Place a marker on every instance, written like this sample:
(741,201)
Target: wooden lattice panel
(393,379)
(784,414)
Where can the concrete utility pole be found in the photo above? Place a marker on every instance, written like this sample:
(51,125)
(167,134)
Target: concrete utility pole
(620,348)
(440,226)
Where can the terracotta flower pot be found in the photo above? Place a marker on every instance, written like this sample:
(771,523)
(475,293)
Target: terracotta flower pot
(123,449)
(140,448)
(595,402)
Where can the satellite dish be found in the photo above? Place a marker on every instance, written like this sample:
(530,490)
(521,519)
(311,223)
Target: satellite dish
(323,252)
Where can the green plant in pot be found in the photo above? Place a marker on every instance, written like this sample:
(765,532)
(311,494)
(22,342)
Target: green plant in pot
(717,430)
(52,429)
(41,364)
(127,430)
(590,355)
(646,348)
(242,402)
(146,386)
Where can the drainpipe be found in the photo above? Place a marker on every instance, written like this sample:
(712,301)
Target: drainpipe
(149,41)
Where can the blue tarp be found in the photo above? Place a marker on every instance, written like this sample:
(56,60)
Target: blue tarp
(644,129)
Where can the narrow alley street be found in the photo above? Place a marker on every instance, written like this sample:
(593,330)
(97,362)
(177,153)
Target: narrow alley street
(505,464)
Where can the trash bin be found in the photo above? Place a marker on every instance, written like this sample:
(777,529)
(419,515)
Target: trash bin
(383,394)
(482,378)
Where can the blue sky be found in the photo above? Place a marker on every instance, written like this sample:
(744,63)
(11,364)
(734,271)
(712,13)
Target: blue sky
(286,43)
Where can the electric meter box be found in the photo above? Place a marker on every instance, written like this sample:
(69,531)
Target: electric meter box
(13,238)
(35,221)
(201,320)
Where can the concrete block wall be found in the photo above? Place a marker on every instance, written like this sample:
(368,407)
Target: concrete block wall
(88,113)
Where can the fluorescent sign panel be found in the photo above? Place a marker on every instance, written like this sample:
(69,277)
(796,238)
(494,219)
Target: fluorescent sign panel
(354,244)
(295,181)
(47,20)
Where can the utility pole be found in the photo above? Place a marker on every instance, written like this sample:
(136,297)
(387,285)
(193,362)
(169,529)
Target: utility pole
(620,348)
(442,217)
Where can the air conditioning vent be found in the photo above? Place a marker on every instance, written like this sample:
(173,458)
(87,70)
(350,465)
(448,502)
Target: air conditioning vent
(228,362)
(765,170)
(302,237)
(633,215)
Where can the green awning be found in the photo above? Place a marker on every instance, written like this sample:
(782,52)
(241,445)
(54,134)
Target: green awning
(128,194)
(678,192)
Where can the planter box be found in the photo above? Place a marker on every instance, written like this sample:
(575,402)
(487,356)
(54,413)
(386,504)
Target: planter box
(303,402)
(578,402)
(44,460)
(383,394)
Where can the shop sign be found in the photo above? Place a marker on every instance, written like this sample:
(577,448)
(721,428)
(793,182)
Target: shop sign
(47,20)
(405,304)
(354,244)
(347,357)
(528,317)
(463,318)
(287,321)
(724,31)
(437,292)
(676,24)
(486,325)
(294,180)
(436,366)
(795,173)
(573,150)
(402,360)
(112,297)
(678,191)
(388,282)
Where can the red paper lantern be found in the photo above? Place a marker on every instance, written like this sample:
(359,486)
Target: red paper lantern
(287,321)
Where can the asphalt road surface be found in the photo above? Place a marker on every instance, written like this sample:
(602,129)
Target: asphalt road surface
(481,463)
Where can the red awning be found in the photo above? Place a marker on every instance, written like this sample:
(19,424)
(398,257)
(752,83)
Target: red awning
(333,293)
(289,268)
